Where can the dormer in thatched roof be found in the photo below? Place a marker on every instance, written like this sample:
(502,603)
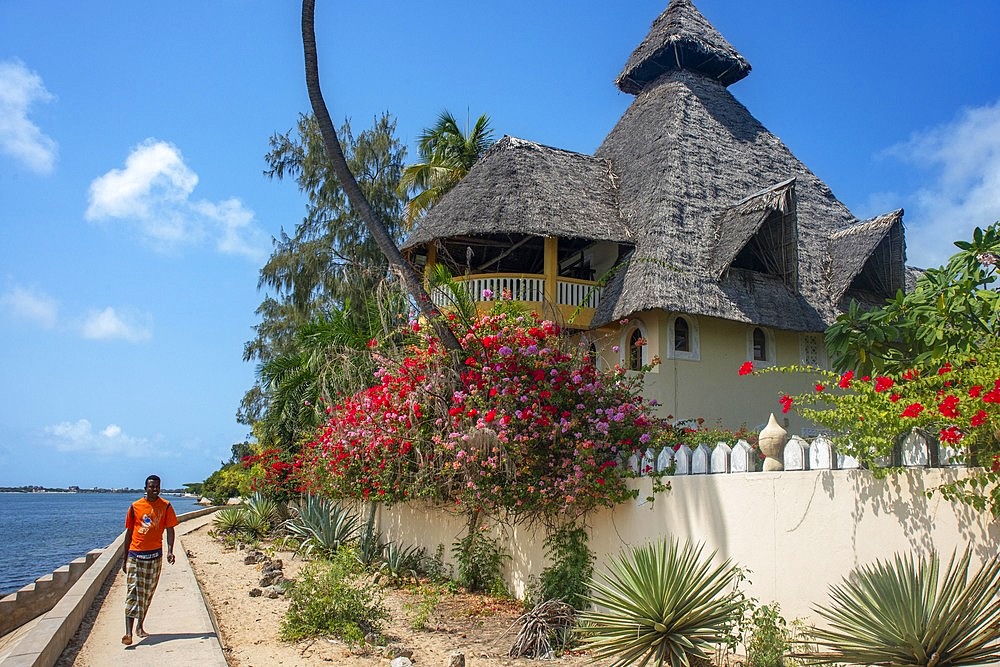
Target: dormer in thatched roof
(760,234)
(682,39)
(868,259)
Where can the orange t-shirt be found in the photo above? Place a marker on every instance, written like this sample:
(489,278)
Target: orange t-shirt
(148,520)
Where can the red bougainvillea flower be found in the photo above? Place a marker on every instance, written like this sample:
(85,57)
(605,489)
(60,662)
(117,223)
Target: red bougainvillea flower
(949,407)
(975,390)
(746,368)
(372,344)
(979,418)
(786,403)
(945,369)
(894,397)
(820,387)
(912,410)
(883,383)
(845,380)
(992,396)
(996,463)
(911,374)
(866,378)
(951,434)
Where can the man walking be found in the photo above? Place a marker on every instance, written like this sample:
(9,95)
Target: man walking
(145,523)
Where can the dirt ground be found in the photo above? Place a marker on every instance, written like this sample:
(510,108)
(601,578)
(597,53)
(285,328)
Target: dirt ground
(483,629)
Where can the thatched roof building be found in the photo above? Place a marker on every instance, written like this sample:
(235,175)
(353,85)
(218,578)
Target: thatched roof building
(713,213)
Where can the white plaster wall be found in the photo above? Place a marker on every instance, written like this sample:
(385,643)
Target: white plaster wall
(798,532)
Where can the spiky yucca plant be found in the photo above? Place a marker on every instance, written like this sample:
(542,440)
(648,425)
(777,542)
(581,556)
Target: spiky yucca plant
(901,612)
(230,520)
(321,526)
(660,602)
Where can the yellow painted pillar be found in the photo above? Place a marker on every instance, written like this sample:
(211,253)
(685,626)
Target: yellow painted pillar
(551,266)
(429,264)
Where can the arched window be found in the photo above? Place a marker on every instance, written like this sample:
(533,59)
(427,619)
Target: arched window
(635,344)
(682,338)
(759,344)
(682,335)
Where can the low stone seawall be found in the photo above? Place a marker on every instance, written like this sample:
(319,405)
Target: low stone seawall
(64,602)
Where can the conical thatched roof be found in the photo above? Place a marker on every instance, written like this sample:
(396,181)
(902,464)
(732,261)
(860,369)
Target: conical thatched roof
(723,220)
(681,38)
(522,187)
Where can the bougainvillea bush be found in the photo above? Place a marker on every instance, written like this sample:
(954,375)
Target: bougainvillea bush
(522,424)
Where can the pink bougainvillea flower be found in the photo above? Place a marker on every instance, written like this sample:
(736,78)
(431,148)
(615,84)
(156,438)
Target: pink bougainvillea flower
(746,368)
(978,419)
(786,402)
(883,383)
(845,380)
(912,410)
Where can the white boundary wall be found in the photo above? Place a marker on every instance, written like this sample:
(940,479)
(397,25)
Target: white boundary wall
(797,531)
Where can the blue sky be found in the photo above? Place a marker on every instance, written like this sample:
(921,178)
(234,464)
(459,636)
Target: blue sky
(134,215)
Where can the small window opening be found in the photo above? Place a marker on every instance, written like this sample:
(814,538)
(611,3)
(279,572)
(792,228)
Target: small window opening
(682,337)
(759,345)
(635,343)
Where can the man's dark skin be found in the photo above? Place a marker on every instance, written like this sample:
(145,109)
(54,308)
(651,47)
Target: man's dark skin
(152,493)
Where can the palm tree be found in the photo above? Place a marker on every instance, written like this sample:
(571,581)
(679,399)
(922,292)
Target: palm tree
(447,154)
(409,276)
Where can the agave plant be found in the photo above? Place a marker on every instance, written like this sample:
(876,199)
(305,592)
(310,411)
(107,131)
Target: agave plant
(321,526)
(230,520)
(660,602)
(902,612)
(262,514)
(400,564)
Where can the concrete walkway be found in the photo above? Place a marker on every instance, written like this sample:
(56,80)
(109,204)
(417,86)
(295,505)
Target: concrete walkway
(180,627)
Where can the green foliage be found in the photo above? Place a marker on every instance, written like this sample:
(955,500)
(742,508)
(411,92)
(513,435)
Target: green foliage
(903,612)
(768,637)
(400,564)
(571,568)
(446,156)
(320,527)
(230,481)
(330,598)
(230,520)
(662,602)
(263,514)
(436,569)
(480,563)
(954,311)
(423,610)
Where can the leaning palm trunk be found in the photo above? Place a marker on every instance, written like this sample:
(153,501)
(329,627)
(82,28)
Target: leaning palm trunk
(901,612)
(407,274)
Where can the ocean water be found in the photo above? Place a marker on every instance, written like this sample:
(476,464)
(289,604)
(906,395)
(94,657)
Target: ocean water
(40,532)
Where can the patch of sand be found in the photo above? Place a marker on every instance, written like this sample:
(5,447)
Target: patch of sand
(481,628)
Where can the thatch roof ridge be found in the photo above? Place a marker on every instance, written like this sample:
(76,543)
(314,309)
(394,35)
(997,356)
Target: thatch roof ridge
(682,38)
(523,187)
(852,246)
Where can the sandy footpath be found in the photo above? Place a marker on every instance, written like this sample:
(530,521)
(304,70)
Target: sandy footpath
(480,628)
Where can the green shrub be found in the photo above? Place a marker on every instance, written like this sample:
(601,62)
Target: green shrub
(768,637)
(480,564)
(568,576)
(329,598)
(660,602)
(901,612)
(430,597)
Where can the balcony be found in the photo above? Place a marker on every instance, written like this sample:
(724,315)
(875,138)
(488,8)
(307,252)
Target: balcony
(569,301)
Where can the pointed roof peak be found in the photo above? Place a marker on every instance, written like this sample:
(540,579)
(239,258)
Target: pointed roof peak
(682,38)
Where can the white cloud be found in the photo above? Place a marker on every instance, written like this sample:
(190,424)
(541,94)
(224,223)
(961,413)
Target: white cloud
(20,137)
(79,436)
(154,190)
(109,324)
(965,156)
(30,305)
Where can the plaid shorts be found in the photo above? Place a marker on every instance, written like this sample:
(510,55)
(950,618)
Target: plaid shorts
(141,577)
